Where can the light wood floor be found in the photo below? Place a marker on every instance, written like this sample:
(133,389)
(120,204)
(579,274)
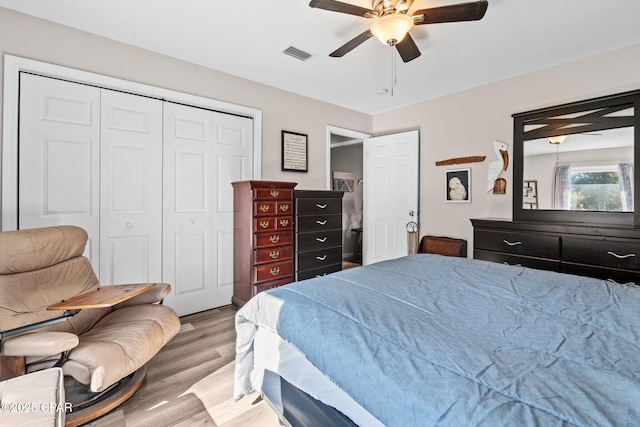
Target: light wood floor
(190,382)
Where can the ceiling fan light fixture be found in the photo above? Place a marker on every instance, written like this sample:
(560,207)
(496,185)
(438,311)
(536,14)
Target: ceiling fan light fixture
(391,29)
(559,139)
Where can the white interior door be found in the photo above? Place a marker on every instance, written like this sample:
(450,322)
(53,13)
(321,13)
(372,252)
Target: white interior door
(131,189)
(59,157)
(204,152)
(391,188)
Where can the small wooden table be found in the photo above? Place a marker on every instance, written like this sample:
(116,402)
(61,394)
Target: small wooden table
(106,296)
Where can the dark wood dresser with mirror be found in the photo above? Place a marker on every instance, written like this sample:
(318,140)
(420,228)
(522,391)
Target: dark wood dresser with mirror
(318,233)
(574,209)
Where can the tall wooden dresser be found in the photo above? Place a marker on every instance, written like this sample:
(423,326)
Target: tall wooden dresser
(318,233)
(263,237)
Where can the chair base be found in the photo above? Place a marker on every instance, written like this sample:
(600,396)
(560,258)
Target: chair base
(88,406)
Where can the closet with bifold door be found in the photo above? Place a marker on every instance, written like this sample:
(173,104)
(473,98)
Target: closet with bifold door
(149,179)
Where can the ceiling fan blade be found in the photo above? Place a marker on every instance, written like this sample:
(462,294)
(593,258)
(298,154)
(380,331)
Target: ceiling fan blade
(472,11)
(352,44)
(336,6)
(408,49)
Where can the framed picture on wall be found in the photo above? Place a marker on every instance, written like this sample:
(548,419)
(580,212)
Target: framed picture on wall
(343,181)
(294,151)
(530,194)
(458,186)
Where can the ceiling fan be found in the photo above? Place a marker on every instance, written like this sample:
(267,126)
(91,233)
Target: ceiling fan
(391,23)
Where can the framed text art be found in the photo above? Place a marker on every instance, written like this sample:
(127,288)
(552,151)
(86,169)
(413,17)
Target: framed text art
(294,151)
(458,186)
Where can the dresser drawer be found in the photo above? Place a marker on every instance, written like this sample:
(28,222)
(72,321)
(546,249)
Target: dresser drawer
(320,258)
(275,271)
(273,239)
(279,253)
(272,194)
(319,223)
(516,260)
(318,272)
(259,287)
(318,206)
(261,209)
(623,277)
(272,223)
(318,240)
(607,253)
(536,245)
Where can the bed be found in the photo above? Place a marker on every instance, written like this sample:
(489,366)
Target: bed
(431,340)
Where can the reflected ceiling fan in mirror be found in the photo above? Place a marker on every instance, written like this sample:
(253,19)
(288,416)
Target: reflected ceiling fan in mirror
(392,23)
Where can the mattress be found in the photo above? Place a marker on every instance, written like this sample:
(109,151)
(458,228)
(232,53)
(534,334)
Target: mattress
(432,340)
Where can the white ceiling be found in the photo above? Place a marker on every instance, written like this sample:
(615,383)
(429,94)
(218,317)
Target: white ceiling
(246,38)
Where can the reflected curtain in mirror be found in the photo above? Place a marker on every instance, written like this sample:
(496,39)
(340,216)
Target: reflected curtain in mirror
(625,179)
(562,188)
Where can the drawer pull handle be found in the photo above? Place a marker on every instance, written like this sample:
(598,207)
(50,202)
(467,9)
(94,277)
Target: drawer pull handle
(264,208)
(284,208)
(274,193)
(321,206)
(264,224)
(275,271)
(321,275)
(274,239)
(621,284)
(321,222)
(284,222)
(321,240)
(512,265)
(512,243)
(621,256)
(274,254)
(321,258)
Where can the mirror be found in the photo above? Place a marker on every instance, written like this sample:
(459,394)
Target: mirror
(575,162)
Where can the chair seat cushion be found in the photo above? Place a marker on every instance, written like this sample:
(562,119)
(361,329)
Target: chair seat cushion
(121,343)
(35,399)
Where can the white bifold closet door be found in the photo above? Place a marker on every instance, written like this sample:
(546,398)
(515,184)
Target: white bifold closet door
(204,151)
(130,188)
(149,180)
(59,157)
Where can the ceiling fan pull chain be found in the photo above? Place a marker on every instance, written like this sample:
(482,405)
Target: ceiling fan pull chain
(393,70)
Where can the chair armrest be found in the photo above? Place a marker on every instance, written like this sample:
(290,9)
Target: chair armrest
(153,295)
(39,344)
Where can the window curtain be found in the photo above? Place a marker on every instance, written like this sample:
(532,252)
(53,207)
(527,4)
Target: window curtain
(561,188)
(625,178)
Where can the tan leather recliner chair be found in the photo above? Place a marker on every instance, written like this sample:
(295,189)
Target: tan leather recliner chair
(40,267)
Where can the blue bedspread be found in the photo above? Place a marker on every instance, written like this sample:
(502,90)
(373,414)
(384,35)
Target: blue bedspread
(428,340)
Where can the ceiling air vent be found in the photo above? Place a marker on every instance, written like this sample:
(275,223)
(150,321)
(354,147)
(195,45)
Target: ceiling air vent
(297,53)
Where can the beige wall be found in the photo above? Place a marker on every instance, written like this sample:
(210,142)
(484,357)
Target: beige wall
(466,123)
(457,125)
(33,38)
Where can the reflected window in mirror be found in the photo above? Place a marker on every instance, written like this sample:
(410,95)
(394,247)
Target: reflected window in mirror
(582,159)
(586,172)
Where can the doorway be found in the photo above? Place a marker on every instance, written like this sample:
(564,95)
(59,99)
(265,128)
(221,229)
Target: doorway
(346,166)
(376,230)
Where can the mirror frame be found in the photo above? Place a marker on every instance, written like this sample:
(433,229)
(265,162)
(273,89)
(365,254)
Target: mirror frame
(549,125)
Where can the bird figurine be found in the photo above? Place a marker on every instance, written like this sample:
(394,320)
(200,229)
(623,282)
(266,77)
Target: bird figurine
(496,167)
